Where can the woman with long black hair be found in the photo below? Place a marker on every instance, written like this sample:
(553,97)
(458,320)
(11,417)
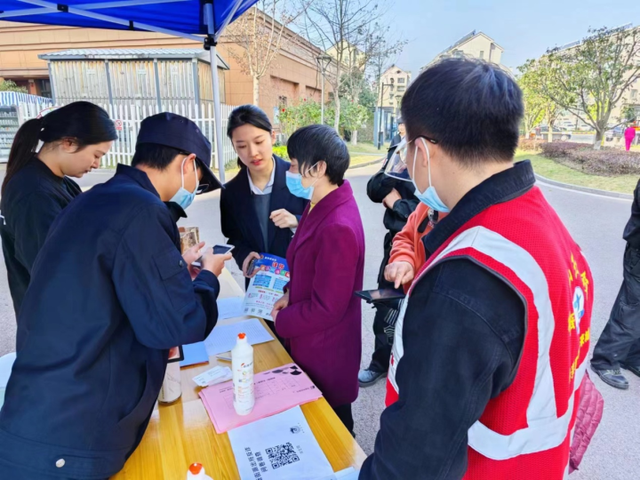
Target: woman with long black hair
(67,142)
(259,214)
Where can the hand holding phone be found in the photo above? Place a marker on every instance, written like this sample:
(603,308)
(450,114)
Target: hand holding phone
(248,266)
(215,263)
(220,249)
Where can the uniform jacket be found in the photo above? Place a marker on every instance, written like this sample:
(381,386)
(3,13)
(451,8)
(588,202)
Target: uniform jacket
(109,295)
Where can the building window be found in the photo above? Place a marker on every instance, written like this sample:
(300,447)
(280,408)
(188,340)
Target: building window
(44,86)
(401,80)
(634,94)
(401,89)
(481,54)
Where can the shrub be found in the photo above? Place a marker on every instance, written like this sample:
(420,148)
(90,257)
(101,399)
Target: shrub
(530,145)
(582,156)
(558,150)
(281,151)
(607,162)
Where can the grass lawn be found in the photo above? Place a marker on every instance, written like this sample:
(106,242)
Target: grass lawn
(365,147)
(358,159)
(561,173)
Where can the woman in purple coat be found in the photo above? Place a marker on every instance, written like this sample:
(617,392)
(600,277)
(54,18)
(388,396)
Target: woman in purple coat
(320,317)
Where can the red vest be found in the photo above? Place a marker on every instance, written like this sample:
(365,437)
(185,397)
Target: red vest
(524,433)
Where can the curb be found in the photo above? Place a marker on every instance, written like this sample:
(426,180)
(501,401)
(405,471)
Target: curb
(594,191)
(366,164)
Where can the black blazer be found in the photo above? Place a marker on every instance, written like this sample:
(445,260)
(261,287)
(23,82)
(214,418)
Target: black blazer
(240,221)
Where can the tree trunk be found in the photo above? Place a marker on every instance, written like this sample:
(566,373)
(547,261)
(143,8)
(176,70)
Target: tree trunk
(354,137)
(336,121)
(256,91)
(597,144)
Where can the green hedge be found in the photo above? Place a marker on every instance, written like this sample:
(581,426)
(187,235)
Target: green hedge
(281,151)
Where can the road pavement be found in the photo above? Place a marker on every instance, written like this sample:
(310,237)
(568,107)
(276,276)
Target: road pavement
(595,222)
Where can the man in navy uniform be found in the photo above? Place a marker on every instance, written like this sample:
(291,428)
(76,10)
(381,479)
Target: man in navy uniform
(110,294)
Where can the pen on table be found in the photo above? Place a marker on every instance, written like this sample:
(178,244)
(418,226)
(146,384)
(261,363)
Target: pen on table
(224,358)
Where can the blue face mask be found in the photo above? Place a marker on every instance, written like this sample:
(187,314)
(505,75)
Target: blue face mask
(429,197)
(294,184)
(184,197)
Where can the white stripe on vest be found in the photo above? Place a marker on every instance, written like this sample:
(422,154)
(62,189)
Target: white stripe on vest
(545,429)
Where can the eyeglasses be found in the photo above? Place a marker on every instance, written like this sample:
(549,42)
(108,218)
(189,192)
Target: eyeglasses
(396,167)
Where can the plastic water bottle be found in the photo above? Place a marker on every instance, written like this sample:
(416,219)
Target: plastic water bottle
(242,367)
(196,472)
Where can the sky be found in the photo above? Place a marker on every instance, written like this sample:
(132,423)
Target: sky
(525,29)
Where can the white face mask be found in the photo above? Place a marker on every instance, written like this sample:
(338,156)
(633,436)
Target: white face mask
(429,197)
(184,197)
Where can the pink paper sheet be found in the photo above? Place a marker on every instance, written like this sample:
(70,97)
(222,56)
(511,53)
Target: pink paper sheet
(276,390)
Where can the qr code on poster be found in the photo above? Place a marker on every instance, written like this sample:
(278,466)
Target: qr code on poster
(282,455)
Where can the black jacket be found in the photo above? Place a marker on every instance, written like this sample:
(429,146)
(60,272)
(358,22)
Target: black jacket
(380,185)
(31,202)
(239,219)
(109,295)
(632,230)
(451,369)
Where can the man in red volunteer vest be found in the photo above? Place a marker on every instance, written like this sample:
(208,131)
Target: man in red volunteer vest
(491,341)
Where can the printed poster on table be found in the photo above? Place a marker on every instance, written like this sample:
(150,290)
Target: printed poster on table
(267,286)
(281,447)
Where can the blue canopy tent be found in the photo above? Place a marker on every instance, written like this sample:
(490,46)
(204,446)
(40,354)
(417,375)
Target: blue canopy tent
(181,18)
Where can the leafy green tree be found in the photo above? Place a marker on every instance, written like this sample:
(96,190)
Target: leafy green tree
(540,105)
(591,79)
(353,117)
(10,86)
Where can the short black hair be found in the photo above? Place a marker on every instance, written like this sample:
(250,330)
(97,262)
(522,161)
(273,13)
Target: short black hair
(314,143)
(471,108)
(248,115)
(155,156)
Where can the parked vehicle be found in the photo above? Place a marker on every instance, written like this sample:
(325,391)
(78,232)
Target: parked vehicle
(559,134)
(616,132)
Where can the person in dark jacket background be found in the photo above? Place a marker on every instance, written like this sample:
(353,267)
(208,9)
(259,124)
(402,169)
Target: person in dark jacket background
(37,186)
(258,212)
(619,343)
(400,202)
(110,294)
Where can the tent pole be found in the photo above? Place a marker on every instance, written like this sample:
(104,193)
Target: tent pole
(217,114)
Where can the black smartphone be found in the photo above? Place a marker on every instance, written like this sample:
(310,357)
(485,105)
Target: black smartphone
(381,295)
(217,250)
(252,265)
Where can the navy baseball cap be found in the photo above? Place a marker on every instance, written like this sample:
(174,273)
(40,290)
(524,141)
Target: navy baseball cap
(178,132)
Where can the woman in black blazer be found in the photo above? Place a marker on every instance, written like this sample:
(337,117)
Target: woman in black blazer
(259,214)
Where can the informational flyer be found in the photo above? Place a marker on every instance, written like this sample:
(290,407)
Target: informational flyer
(267,286)
(281,447)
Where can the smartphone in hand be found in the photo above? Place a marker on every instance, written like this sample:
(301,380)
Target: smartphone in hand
(219,249)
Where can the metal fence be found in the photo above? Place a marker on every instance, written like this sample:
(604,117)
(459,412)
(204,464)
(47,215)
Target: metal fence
(128,118)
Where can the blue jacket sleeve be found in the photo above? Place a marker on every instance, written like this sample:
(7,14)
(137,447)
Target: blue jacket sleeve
(153,285)
(460,350)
